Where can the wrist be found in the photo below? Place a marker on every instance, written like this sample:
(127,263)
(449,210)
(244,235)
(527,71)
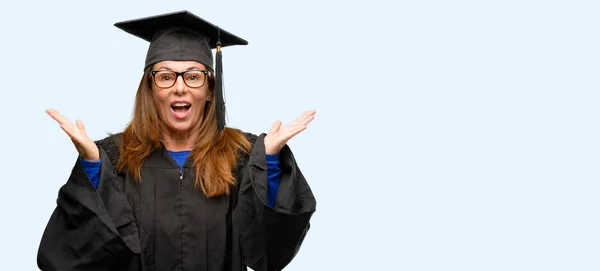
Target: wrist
(271,151)
(90,158)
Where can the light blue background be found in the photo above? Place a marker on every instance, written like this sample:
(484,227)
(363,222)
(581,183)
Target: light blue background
(450,135)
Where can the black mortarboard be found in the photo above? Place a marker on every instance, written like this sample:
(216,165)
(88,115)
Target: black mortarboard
(184,36)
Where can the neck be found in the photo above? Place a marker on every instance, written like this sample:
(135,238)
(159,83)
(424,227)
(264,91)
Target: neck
(179,141)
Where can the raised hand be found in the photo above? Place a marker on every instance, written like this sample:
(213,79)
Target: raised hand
(278,136)
(83,143)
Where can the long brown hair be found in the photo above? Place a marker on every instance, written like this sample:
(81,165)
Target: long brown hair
(214,153)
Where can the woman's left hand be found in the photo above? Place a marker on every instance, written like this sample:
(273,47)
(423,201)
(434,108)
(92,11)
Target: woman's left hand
(278,136)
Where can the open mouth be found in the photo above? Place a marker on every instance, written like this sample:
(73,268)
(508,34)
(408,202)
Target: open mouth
(181,109)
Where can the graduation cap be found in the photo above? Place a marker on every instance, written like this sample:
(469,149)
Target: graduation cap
(184,36)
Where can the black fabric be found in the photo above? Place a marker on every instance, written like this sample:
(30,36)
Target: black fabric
(219,96)
(163,223)
(90,229)
(179,35)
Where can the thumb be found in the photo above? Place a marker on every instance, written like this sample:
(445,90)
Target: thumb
(275,127)
(80,126)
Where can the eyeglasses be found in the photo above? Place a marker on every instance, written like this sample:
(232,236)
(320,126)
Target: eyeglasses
(193,78)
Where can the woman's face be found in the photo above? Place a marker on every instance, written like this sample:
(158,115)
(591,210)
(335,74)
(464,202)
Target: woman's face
(180,105)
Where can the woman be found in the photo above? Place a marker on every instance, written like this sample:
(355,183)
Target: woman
(176,190)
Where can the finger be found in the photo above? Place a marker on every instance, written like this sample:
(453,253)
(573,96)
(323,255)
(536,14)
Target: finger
(303,117)
(74,137)
(307,120)
(81,127)
(55,115)
(303,122)
(295,131)
(291,132)
(297,120)
(308,113)
(275,127)
(59,118)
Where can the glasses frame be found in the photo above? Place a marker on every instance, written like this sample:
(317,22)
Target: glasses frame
(177,75)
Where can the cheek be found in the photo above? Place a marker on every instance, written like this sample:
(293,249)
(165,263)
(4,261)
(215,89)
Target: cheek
(160,101)
(201,97)
(159,98)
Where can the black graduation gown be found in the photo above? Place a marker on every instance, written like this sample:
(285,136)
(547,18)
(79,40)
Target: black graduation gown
(163,223)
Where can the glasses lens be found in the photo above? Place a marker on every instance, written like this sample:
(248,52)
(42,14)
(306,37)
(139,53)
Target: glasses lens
(165,79)
(194,79)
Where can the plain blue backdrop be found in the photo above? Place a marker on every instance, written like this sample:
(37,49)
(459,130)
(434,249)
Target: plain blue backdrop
(450,135)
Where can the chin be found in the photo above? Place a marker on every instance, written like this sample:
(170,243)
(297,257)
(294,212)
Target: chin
(180,127)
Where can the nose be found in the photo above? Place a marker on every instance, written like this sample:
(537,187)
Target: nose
(180,86)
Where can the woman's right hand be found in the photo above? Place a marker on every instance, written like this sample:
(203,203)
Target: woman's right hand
(83,143)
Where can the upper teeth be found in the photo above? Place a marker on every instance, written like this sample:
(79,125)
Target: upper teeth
(180,104)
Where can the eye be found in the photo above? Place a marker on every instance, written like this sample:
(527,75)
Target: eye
(165,76)
(194,76)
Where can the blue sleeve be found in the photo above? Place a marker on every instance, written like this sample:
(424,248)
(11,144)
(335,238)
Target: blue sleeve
(92,169)
(273,177)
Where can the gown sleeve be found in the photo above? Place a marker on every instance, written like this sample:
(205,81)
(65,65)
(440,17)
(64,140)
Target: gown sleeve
(90,229)
(269,236)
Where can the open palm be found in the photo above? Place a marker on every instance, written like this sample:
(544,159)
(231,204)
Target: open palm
(278,136)
(83,143)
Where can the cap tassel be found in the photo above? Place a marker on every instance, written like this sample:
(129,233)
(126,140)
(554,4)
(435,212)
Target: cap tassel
(219,96)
